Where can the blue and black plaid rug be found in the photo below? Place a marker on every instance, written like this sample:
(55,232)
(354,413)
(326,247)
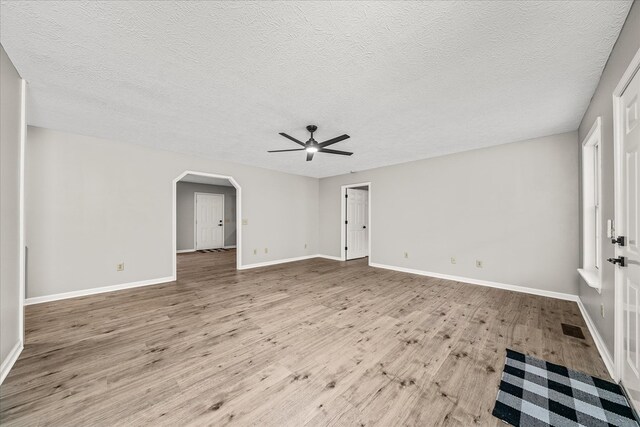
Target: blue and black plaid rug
(534,392)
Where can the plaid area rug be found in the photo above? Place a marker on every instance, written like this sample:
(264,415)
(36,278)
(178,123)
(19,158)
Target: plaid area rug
(534,392)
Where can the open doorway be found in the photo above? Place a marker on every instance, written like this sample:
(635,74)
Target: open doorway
(356,220)
(206,215)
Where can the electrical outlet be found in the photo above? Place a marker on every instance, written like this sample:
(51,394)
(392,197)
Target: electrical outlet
(266,250)
(406,254)
(255,252)
(478,263)
(602,310)
(120,267)
(453,260)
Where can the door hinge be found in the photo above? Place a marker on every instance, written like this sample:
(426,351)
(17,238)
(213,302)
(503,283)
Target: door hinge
(345,248)
(346,196)
(346,222)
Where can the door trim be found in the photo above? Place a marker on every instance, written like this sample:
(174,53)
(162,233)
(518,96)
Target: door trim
(174,245)
(195,216)
(343,218)
(618,123)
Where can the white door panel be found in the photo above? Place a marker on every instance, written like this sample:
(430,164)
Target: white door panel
(629,276)
(357,223)
(209,221)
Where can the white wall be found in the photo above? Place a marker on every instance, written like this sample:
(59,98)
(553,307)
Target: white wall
(11,128)
(601,105)
(513,206)
(93,203)
(185,199)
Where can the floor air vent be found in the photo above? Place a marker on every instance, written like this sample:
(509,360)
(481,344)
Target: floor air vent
(572,331)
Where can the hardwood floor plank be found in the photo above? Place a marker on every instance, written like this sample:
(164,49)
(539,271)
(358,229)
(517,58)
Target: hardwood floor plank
(314,342)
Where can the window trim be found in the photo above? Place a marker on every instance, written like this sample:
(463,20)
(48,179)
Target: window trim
(591,270)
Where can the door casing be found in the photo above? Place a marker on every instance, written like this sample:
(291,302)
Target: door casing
(174,243)
(343,218)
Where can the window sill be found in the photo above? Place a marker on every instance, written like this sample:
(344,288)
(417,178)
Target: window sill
(592,278)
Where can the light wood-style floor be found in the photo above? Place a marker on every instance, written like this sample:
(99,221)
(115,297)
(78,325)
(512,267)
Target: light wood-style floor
(315,342)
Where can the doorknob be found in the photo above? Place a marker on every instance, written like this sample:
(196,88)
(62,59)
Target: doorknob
(364,226)
(620,260)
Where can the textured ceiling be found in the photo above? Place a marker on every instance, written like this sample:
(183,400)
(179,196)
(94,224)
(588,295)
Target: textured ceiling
(405,80)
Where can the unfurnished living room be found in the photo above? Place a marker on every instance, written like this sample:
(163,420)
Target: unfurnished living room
(320,213)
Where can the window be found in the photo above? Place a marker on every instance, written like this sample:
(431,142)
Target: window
(591,211)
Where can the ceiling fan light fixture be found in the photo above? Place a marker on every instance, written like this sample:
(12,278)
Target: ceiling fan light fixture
(312,146)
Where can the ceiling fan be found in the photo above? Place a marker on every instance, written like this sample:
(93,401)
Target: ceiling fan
(312,146)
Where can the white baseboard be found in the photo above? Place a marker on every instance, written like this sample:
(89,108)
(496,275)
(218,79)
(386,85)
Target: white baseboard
(93,291)
(277,261)
(602,347)
(331,257)
(515,288)
(8,363)
(229,247)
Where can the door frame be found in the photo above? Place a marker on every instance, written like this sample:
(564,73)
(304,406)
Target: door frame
(174,245)
(195,216)
(343,218)
(618,123)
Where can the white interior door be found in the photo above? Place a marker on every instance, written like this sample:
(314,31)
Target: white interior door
(629,276)
(209,221)
(357,223)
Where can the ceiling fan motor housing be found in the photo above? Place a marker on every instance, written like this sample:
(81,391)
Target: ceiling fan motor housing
(312,143)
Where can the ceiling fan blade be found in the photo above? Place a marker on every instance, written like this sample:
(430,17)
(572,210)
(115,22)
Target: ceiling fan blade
(334,140)
(326,150)
(280,151)
(309,156)
(292,138)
